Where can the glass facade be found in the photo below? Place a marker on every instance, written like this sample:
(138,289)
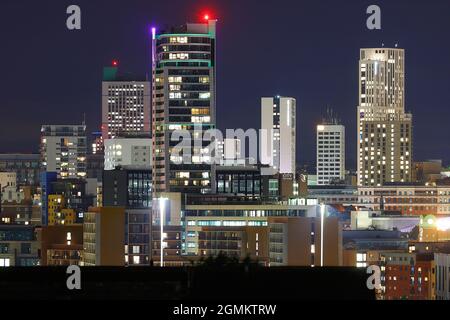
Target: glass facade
(244,183)
(139,189)
(183,99)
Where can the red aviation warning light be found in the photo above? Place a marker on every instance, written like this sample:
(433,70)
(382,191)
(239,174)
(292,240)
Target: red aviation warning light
(206,16)
(115,63)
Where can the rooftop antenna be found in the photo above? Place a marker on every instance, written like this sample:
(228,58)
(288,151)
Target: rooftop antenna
(84,118)
(331,117)
(326,119)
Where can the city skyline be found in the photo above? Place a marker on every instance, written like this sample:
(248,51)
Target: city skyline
(299,74)
(225,150)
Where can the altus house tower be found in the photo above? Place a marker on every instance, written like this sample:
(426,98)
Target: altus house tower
(183,98)
(384,129)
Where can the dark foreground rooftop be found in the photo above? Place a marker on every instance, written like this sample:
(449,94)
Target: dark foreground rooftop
(192,283)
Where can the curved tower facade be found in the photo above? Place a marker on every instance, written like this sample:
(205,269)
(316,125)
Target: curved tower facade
(183,98)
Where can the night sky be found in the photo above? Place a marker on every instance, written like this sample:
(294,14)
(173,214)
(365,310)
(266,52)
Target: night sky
(305,49)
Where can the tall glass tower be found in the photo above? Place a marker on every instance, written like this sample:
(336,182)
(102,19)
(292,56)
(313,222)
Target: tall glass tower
(183,98)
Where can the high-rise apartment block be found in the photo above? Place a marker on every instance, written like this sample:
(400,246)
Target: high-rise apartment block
(384,129)
(184,98)
(125,104)
(63,150)
(132,190)
(278,122)
(330,153)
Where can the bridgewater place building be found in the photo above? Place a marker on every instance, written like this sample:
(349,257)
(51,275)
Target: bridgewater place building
(183,98)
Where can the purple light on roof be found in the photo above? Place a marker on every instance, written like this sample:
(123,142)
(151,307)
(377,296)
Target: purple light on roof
(153,45)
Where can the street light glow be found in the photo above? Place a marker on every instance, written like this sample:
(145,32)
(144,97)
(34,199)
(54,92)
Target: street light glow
(322,216)
(161,223)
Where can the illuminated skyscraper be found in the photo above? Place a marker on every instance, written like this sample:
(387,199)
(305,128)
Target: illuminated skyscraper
(125,104)
(384,129)
(183,97)
(278,119)
(330,153)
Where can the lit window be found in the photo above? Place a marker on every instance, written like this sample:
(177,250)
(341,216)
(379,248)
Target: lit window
(205,95)
(360,257)
(4,262)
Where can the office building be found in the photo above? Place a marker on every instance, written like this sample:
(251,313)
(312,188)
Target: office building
(184,98)
(19,246)
(135,152)
(127,187)
(278,139)
(104,237)
(63,150)
(334,194)
(26,167)
(384,128)
(249,182)
(239,181)
(273,234)
(125,103)
(408,199)
(227,215)
(297,241)
(330,153)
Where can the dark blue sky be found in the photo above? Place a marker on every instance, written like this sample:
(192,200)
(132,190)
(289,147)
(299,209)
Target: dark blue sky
(305,49)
